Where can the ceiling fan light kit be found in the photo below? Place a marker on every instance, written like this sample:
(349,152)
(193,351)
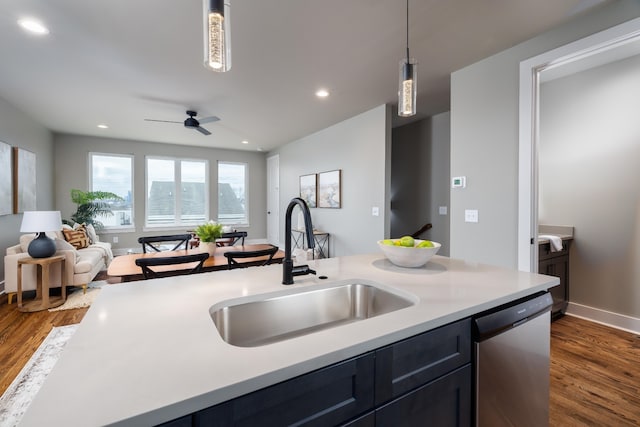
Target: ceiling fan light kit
(407,87)
(217,41)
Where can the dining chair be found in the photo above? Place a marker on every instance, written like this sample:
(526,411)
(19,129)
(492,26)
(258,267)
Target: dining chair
(231,238)
(233,256)
(146,263)
(153,243)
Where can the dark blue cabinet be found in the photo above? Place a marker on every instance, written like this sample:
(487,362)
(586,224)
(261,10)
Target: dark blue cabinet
(421,381)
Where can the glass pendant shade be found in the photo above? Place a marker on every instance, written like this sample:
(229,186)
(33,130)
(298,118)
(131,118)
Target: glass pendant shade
(217,42)
(407,87)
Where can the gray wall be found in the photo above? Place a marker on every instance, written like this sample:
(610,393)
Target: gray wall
(589,172)
(359,146)
(484,138)
(420,161)
(71,156)
(19,130)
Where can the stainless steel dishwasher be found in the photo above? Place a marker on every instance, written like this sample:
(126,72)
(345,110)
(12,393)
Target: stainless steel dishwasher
(512,364)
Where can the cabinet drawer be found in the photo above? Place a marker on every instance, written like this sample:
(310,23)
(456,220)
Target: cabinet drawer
(328,396)
(403,366)
(442,403)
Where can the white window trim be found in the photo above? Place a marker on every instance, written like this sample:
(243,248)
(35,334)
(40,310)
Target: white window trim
(245,224)
(176,175)
(115,229)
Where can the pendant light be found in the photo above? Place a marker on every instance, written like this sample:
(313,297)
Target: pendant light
(408,81)
(217,43)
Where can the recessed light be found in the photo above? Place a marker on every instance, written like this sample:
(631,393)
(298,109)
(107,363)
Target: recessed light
(322,93)
(245,142)
(103,126)
(259,148)
(33,26)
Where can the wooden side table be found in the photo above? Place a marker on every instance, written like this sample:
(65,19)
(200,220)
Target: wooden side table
(42,300)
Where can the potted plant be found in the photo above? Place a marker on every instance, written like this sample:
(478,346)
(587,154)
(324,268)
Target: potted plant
(208,233)
(91,204)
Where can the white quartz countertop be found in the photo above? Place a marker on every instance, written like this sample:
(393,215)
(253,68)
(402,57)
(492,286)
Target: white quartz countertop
(148,352)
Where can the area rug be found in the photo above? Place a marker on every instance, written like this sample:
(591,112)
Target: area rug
(79,299)
(17,398)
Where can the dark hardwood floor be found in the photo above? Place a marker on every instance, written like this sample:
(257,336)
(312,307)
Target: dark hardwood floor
(595,370)
(22,333)
(595,375)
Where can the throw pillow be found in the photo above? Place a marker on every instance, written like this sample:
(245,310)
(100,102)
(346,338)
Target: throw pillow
(78,237)
(91,232)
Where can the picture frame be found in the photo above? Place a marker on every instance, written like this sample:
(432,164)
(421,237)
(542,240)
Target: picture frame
(308,189)
(24,180)
(6,181)
(329,189)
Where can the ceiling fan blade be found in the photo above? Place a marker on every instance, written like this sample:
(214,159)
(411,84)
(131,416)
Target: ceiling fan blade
(202,130)
(209,119)
(163,121)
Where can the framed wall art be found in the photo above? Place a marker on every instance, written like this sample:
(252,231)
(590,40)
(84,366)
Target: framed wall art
(6,188)
(329,189)
(308,189)
(24,180)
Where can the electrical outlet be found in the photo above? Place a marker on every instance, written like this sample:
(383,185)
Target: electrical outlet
(115,239)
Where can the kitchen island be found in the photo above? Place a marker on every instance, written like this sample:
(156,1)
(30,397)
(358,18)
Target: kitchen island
(148,352)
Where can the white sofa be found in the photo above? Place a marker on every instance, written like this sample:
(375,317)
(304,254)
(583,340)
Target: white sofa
(81,265)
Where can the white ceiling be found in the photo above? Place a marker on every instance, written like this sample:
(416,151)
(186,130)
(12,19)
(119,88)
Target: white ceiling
(121,61)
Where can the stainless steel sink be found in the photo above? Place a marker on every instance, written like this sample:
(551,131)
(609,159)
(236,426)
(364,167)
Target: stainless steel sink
(264,319)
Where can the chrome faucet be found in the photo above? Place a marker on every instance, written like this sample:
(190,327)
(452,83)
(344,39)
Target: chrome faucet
(288,270)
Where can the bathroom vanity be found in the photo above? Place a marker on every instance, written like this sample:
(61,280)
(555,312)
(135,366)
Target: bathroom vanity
(556,263)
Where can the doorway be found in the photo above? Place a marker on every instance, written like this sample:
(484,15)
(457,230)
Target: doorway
(597,47)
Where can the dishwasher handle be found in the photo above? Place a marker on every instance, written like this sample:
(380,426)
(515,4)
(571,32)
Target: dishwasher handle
(510,316)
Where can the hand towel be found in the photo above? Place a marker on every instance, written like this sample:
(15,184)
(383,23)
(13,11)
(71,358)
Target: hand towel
(555,241)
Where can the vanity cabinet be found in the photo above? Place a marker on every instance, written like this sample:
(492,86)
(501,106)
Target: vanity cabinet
(556,264)
(420,381)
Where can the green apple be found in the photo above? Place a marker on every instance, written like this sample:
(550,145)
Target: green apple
(387,242)
(425,244)
(407,241)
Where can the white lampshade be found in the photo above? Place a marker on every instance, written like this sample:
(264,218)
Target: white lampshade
(40,221)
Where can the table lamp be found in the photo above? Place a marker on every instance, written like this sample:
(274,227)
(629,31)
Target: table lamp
(40,222)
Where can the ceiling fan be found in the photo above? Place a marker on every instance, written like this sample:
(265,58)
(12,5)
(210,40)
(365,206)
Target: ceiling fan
(191,122)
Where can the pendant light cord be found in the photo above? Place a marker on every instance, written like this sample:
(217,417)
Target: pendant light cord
(407,31)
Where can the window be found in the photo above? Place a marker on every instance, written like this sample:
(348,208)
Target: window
(114,173)
(232,194)
(177,192)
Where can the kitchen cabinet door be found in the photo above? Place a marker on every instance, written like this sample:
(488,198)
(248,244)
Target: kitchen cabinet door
(445,402)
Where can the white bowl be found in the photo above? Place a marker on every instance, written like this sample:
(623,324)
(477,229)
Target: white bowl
(404,256)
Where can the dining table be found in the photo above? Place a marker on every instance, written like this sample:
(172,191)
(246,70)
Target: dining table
(124,266)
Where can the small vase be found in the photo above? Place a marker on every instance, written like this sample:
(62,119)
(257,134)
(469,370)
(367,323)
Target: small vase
(208,247)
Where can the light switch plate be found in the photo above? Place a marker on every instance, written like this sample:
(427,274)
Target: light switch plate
(471,215)
(442,210)
(375,211)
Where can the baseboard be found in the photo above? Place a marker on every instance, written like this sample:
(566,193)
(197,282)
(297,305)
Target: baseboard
(607,318)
